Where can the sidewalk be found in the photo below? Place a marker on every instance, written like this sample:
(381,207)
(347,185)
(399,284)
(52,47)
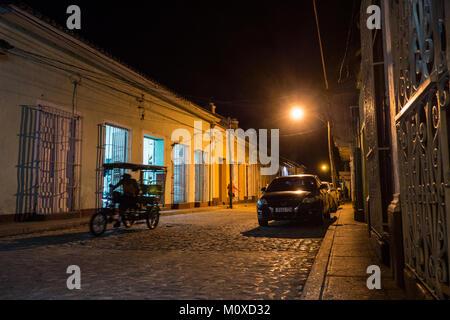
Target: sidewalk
(339,271)
(17,228)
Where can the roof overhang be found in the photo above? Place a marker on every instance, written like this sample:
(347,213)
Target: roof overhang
(66,41)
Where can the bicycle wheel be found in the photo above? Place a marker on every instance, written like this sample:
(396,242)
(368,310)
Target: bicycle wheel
(98,223)
(152,217)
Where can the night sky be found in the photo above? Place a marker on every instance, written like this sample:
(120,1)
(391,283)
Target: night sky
(254,59)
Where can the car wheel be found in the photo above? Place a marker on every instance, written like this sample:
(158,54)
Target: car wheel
(263,222)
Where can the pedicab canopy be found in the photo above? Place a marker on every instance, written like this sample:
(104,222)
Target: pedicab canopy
(133,167)
(154,189)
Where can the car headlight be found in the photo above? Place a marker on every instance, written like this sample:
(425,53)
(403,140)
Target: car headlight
(262,202)
(309,200)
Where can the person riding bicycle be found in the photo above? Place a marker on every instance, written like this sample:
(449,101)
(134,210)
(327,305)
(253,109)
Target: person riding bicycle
(128,197)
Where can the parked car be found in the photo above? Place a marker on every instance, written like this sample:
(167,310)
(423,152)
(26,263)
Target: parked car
(337,194)
(293,198)
(333,197)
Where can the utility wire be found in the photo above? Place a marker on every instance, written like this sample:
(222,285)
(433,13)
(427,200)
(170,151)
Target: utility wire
(330,151)
(241,101)
(104,76)
(350,28)
(44,61)
(320,44)
(302,132)
(90,78)
(156,86)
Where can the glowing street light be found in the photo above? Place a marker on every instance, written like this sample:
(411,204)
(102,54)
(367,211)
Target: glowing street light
(297,113)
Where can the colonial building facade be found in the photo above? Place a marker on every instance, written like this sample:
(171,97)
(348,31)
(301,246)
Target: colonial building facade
(67,107)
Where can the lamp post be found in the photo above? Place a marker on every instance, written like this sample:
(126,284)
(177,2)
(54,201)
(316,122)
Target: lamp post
(233,124)
(230,188)
(330,155)
(297,113)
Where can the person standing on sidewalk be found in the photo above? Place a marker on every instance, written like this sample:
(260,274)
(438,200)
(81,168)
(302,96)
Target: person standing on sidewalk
(231,190)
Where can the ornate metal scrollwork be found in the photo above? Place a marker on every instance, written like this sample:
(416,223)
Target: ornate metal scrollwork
(422,91)
(423,187)
(419,45)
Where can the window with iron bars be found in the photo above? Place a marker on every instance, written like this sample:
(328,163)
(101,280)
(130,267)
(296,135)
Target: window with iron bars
(180,173)
(48,170)
(113,147)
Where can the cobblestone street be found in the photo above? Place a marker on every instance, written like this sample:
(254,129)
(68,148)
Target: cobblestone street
(221,254)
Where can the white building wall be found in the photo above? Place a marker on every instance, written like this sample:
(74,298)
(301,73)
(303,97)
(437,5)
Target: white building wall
(25,82)
(101,98)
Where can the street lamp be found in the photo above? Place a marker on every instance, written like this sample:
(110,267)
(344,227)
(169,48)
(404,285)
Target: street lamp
(297,113)
(324,168)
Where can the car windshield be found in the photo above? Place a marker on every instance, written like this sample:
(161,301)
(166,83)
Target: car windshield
(293,184)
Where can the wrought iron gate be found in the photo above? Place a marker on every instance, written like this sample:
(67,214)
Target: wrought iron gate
(201,177)
(48,170)
(180,167)
(422,94)
(112,146)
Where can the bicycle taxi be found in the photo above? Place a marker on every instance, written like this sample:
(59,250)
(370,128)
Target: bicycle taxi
(144,204)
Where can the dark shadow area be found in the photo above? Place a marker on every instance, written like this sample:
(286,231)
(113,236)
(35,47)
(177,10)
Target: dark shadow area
(291,230)
(59,239)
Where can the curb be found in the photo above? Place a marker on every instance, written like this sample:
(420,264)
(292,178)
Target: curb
(26,229)
(29,230)
(314,284)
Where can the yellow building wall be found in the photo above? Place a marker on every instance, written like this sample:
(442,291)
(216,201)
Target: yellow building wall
(100,99)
